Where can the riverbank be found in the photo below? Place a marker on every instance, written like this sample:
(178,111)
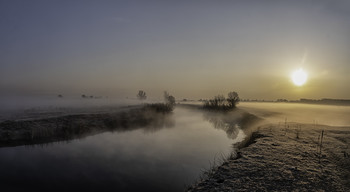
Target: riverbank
(69,127)
(286,157)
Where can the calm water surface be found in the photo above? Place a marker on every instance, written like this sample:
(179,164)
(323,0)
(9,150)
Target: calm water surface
(146,159)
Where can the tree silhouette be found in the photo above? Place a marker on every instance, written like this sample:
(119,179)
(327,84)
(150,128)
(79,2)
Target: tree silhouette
(219,100)
(221,103)
(232,99)
(141,95)
(169,99)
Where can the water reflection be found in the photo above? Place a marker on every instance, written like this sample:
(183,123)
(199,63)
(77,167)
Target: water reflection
(161,160)
(14,133)
(218,122)
(231,122)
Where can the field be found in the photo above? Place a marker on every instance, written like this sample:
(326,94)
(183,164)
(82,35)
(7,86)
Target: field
(274,146)
(288,156)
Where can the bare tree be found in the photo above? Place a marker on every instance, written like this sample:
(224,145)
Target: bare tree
(216,103)
(141,95)
(221,103)
(169,99)
(232,99)
(219,100)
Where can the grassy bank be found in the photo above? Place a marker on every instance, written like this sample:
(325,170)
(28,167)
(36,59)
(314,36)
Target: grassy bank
(150,117)
(288,157)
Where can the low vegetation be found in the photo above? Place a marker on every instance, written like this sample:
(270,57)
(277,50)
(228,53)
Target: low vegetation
(221,103)
(141,95)
(166,107)
(159,107)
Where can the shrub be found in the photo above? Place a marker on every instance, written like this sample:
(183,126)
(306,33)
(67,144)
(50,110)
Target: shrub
(220,103)
(141,95)
(169,99)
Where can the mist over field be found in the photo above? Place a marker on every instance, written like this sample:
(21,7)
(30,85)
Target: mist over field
(26,107)
(301,113)
(186,95)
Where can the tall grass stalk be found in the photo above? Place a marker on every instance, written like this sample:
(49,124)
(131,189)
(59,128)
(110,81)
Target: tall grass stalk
(320,153)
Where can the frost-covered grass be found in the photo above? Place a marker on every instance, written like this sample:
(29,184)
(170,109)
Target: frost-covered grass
(287,158)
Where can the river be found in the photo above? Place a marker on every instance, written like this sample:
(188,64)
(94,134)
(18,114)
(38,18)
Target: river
(165,158)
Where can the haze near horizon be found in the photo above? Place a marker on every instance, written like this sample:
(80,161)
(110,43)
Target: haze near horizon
(193,49)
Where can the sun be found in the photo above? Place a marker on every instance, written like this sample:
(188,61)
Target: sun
(299,77)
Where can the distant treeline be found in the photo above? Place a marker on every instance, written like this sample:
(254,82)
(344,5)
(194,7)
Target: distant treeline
(324,101)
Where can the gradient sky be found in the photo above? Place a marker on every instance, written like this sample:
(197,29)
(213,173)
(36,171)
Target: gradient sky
(193,49)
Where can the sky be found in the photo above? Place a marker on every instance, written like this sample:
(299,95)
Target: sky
(192,49)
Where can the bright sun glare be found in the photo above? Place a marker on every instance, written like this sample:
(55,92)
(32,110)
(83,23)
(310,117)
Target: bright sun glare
(299,77)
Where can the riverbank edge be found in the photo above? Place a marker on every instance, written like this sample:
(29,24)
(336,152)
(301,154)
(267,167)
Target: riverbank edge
(327,171)
(75,126)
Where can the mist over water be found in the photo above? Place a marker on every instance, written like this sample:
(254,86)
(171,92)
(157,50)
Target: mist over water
(142,159)
(71,118)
